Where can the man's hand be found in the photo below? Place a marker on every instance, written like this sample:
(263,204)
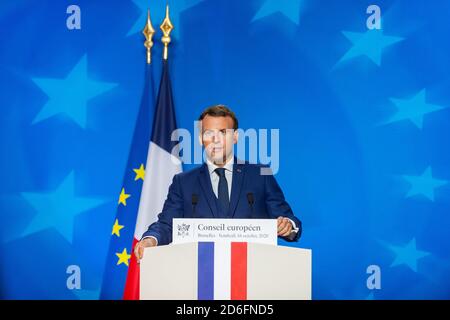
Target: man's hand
(284,226)
(139,247)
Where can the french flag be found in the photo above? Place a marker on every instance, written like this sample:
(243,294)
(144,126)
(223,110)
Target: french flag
(222,271)
(160,168)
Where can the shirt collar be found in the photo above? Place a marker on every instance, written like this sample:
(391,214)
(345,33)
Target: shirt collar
(228,166)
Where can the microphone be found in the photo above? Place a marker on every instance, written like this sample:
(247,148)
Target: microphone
(250,200)
(194,201)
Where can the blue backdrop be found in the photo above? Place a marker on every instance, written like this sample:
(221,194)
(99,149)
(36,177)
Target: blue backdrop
(363,117)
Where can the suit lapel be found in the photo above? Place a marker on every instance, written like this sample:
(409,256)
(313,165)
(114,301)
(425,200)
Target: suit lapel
(205,183)
(236,186)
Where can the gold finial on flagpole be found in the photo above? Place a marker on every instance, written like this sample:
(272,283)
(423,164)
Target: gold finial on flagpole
(148,33)
(166,27)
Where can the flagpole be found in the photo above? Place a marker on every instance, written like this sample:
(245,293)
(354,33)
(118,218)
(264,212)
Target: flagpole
(148,33)
(166,27)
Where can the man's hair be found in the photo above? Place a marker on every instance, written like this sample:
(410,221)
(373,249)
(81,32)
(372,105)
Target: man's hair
(219,110)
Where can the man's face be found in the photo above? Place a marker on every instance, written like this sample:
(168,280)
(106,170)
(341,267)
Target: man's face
(218,137)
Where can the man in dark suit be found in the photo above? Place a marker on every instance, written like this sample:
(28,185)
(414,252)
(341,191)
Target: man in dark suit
(222,187)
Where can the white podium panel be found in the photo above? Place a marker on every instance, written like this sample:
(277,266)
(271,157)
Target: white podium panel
(169,273)
(278,273)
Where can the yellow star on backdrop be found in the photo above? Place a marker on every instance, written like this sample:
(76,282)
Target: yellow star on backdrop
(123,197)
(116,228)
(140,173)
(123,257)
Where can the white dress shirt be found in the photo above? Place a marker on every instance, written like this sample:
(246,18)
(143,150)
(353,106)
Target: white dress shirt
(215,177)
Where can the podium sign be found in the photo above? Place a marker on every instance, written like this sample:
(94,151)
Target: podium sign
(225,230)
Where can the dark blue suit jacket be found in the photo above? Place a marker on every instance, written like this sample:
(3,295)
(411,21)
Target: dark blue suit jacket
(268,200)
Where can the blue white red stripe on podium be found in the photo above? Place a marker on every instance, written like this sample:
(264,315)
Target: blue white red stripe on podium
(222,271)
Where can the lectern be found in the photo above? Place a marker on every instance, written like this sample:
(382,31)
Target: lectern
(223,271)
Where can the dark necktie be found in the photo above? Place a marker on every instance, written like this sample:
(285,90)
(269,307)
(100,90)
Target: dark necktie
(223,190)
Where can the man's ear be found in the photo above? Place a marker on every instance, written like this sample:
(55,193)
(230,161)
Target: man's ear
(200,130)
(235,136)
